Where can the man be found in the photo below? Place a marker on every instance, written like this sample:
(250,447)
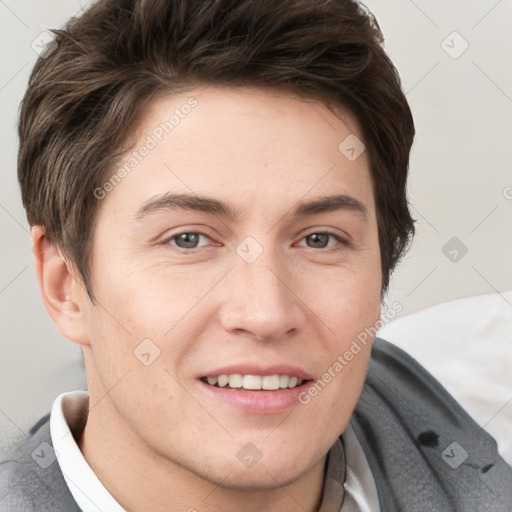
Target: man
(217,198)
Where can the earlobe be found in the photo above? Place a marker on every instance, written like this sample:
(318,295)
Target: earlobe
(61,295)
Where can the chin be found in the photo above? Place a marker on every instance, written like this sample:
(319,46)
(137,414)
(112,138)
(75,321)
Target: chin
(263,479)
(268,472)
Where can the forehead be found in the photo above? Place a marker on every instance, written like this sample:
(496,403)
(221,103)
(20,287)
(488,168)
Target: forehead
(247,146)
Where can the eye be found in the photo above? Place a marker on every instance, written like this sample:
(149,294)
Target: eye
(187,240)
(320,240)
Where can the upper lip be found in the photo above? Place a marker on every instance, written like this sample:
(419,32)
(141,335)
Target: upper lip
(254,369)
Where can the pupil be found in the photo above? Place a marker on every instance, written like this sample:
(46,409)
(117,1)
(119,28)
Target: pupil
(317,236)
(190,239)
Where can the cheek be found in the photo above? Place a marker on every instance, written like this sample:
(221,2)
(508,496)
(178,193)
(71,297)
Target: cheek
(350,311)
(156,310)
(352,299)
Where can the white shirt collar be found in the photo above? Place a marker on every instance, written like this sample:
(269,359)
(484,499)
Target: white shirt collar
(70,409)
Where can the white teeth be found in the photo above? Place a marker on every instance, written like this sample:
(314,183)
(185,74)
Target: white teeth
(235,381)
(251,382)
(270,382)
(283,381)
(255,382)
(223,380)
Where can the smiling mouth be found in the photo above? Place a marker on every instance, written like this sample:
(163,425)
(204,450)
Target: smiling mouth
(254,382)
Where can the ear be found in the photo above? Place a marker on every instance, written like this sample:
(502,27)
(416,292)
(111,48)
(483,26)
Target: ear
(63,294)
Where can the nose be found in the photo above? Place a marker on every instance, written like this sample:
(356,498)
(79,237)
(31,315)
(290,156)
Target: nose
(260,299)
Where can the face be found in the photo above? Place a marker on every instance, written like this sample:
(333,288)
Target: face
(251,282)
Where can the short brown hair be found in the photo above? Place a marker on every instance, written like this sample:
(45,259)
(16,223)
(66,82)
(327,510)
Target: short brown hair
(84,97)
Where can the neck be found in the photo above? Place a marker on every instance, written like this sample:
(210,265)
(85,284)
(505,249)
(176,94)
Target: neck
(141,479)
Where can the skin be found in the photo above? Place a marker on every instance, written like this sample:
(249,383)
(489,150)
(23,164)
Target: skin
(155,439)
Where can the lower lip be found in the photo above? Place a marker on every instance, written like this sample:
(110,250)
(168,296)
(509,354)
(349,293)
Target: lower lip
(257,402)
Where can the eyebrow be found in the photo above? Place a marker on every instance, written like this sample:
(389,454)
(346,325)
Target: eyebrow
(210,205)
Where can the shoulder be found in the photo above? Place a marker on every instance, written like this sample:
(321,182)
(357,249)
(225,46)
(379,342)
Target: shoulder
(401,389)
(422,446)
(30,477)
